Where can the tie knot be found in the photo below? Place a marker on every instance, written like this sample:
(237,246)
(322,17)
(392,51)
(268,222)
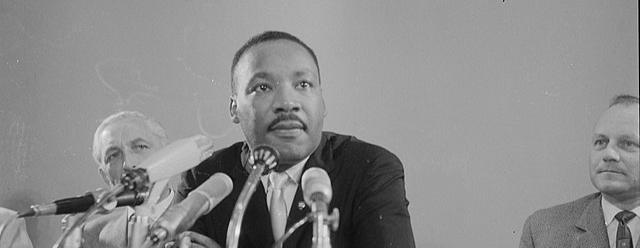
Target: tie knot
(625,216)
(279,179)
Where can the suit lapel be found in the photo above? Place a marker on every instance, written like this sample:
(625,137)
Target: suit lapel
(298,211)
(322,158)
(256,223)
(257,219)
(591,223)
(114,233)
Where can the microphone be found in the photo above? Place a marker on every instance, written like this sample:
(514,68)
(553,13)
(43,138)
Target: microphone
(82,203)
(263,159)
(316,188)
(178,156)
(141,220)
(182,216)
(265,156)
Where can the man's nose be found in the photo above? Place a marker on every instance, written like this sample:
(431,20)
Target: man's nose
(610,153)
(131,162)
(286,100)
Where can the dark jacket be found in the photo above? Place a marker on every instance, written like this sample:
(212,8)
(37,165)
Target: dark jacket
(368,191)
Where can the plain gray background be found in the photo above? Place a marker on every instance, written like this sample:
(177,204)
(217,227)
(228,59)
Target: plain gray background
(489,104)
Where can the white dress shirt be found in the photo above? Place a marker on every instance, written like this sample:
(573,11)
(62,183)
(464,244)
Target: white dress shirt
(289,190)
(610,221)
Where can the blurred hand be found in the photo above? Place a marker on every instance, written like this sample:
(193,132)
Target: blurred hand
(192,240)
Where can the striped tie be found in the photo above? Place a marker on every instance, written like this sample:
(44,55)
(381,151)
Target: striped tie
(278,206)
(623,238)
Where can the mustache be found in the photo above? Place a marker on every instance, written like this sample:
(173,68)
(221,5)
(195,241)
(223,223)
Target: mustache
(286,117)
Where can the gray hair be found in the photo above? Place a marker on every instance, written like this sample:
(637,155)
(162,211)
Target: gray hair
(154,126)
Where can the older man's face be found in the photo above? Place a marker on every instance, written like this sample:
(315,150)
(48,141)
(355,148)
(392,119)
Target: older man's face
(124,145)
(615,170)
(279,99)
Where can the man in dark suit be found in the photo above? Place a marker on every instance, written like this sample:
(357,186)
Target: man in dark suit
(277,100)
(608,218)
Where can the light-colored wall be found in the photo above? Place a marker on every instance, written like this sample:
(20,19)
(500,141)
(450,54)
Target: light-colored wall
(489,104)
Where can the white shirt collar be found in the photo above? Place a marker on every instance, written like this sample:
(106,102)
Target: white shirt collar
(294,173)
(609,210)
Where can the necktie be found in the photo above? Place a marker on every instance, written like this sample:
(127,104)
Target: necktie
(623,237)
(278,205)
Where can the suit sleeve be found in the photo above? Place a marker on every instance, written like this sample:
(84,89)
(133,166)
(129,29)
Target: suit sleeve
(381,215)
(526,240)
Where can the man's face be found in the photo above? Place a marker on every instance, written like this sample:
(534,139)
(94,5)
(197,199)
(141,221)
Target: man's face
(279,99)
(124,145)
(615,170)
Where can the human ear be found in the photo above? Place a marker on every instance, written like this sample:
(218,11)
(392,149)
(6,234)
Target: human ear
(324,107)
(104,175)
(233,109)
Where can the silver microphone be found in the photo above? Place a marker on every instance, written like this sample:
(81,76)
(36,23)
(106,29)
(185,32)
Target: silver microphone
(316,188)
(178,156)
(182,216)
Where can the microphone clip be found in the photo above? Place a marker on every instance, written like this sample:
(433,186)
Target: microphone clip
(330,220)
(136,180)
(264,155)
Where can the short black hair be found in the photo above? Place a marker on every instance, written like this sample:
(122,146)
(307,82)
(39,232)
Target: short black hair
(264,37)
(625,100)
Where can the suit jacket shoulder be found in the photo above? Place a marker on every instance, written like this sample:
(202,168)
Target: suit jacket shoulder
(368,187)
(223,160)
(579,223)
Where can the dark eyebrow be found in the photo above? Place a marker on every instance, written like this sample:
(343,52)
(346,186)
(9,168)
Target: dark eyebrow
(302,73)
(628,137)
(261,75)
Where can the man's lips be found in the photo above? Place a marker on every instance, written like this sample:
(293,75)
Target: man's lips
(610,171)
(286,125)
(287,122)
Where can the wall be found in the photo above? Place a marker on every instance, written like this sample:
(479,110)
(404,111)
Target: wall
(489,104)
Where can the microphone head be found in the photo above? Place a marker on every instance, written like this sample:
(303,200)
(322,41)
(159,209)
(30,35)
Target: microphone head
(178,156)
(216,188)
(316,186)
(267,155)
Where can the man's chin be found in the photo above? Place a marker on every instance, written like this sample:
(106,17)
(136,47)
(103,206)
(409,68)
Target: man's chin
(612,188)
(292,151)
(292,154)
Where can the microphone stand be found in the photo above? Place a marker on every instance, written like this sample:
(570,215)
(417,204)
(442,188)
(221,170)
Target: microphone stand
(263,156)
(135,180)
(75,237)
(139,229)
(233,233)
(141,221)
(92,210)
(321,222)
(321,237)
(292,229)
